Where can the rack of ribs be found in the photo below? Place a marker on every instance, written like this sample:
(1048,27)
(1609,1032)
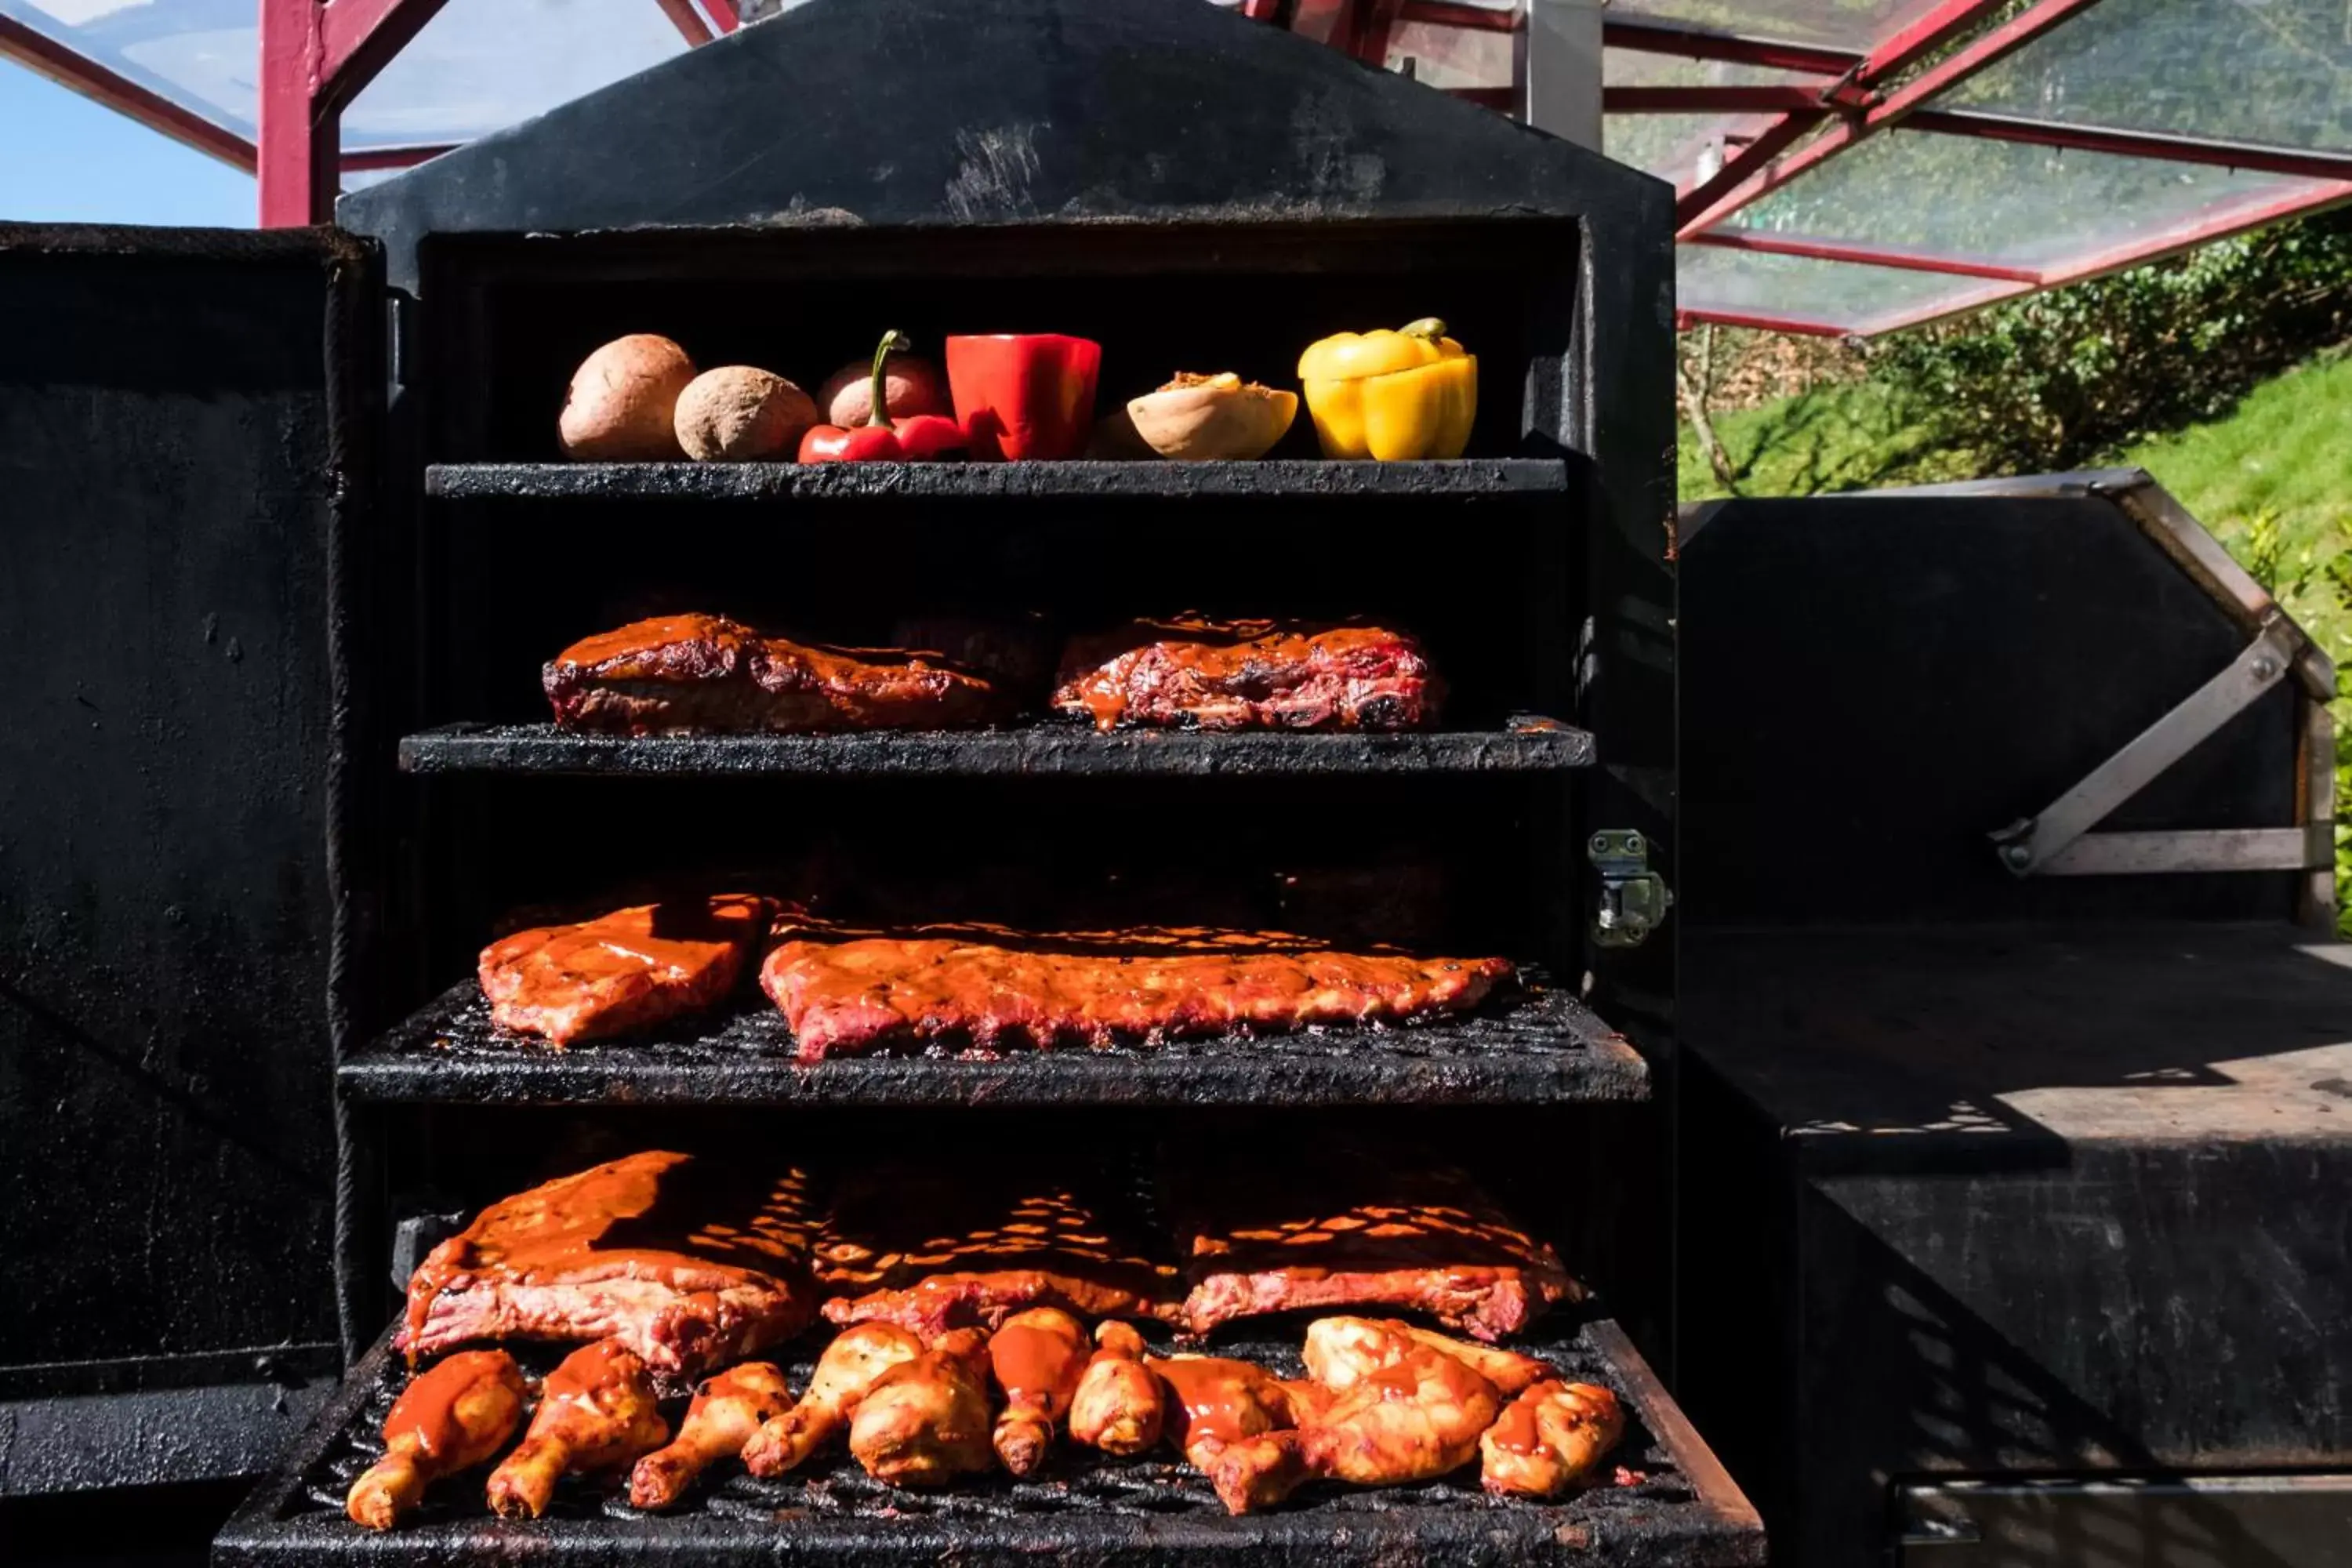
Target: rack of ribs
(686,1263)
(933,1248)
(994,987)
(683,675)
(622,972)
(1347,1225)
(1203,674)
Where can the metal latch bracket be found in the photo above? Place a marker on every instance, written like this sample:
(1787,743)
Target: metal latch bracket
(2058,841)
(1633,897)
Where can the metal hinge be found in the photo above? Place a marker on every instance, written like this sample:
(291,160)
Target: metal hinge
(2058,841)
(1633,898)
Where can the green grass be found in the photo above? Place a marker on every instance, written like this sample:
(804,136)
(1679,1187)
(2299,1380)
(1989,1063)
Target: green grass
(2272,478)
(1841,437)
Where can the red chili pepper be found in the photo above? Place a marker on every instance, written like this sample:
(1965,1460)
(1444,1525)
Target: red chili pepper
(919,438)
(1027,395)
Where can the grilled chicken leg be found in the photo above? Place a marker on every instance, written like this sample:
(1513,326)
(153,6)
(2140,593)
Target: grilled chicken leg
(1218,1402)
(849,1366)
(450,1419)
(1037,1357)
(725,1411)
(1341,1351)
(925,1421)
(596,1412)
(1120,1406)
(1549,1437)
(1417,1416)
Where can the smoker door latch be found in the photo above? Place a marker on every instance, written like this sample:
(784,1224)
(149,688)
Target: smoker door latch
(1633,898)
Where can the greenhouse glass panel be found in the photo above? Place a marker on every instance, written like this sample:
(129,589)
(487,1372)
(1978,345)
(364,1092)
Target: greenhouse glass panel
(2275,72)
(1803,291)
(1639,68)
(1853,24)
(200,54)
(1683,148)
(482,65)
(2010,203)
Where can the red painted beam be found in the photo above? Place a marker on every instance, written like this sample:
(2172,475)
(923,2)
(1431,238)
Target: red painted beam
(38,52)
(314,59)
(1663,39)
(1470,18)
(359,38)
(682,16)
(1867,254)
(1375,20)
(1710,99)
(2313,165)
(1684,320)
(724,18)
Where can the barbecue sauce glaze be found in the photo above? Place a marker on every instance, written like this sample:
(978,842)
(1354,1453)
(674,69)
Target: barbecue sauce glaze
(1230,675)
(425,1414)
(582,1228)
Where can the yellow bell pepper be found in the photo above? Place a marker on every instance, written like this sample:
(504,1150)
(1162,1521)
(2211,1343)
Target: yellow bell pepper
(1391,395)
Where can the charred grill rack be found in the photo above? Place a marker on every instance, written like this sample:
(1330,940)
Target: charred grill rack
(1674,1506)
(1543,1046)
(1527,745)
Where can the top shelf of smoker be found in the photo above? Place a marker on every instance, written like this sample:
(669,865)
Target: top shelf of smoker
(1273,478)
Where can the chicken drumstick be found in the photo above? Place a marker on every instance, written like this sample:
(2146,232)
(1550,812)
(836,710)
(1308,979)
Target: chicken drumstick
(1341,1351)
(1120,1406)
(1218,1402)
(450,1419)
(1416,1417)
(1038,1357)
(925,1421)
(848,1367)
(596,1412)
(1549,1437)
(725,1411)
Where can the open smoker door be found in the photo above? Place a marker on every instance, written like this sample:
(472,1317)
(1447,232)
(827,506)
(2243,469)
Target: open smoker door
(182,422)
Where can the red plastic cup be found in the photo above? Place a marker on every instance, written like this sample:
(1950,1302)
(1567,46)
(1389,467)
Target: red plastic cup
(1022,395)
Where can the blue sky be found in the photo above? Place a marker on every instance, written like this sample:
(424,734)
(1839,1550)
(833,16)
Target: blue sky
(66,159)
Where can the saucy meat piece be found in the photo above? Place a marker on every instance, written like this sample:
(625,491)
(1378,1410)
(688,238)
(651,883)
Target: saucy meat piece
(686,1263)
(623,972)
(683,675)
(1248,675)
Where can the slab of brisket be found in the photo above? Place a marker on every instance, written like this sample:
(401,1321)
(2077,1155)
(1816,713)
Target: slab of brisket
(1248,675)
(966,1244)
(687,1264)
(990,987)
(1267,1228)
(681,675)
(624,970)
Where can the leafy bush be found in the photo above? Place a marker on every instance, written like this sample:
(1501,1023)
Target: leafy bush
(2055,380)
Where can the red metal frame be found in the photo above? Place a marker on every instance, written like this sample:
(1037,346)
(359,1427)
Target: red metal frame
(2258,159)
(1666,38)
(1867,254)
(1950,20)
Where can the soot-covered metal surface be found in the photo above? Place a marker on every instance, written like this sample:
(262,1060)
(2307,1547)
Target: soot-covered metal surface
(1277,478)
(1671,1506)
(1544,1046)
(1531,745)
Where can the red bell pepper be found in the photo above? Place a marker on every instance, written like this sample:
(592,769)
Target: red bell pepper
(919,438)
(1024,395)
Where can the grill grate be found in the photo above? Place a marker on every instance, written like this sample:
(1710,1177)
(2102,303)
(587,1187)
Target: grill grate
(1542,1046)
(1526,745)
(1153,1507)
(1283,476)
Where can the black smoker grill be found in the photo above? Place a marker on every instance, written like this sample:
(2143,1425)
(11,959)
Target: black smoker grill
(293,547)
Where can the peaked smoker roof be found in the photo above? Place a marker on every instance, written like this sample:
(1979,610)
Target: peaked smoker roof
(935,111)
